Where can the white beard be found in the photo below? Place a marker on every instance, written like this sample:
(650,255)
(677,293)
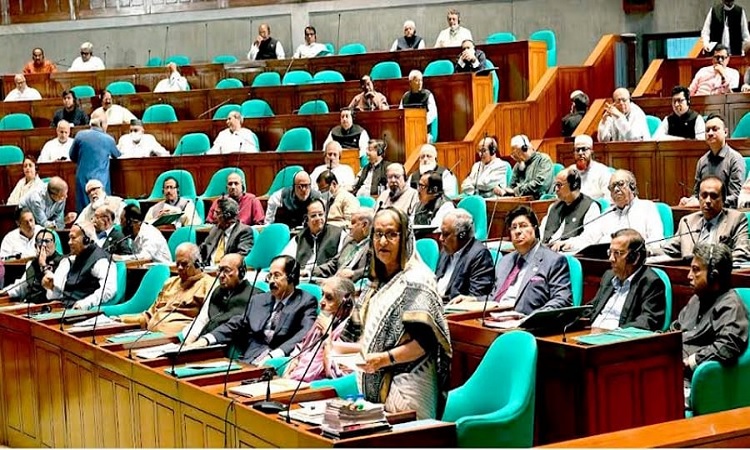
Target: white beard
(99,202)
(426,168)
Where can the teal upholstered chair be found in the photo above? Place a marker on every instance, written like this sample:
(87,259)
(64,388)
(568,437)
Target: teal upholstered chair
(121,88)
(433,131)
(742,129)
(266,79)
(312,289)
(313,107)
(501,38)
(296,139)
(16,121)
(477,207)
(180,60)
(256,108)
(10,154)
(576,279)
(429,252)
(502,416)
(355,48)
(328,76)
(366,202)
(218,183)
(146,294)
(184,180)
(716,387)
(193,144)
(495,253)
(159,114)
(667,221)
(439,67)
(345,386)
(262,286)
(83,91)
(180,235)
(271,241)
(549,38)
(495,80)
(229,83)
(58,242)
(297,77)
(547,196)
(668,294)
(154,61)
(285,178)
(385,70)
(556,169)
(653,123)
(603,203)
(224,59)
(122,282)
(223,112)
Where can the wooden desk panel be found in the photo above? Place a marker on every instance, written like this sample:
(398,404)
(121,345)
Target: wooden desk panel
(498,209)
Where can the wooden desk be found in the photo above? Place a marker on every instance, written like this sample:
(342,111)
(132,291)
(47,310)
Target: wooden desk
(663,74)
(586,390)
(62,391)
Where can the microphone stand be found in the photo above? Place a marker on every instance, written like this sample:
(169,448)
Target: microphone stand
(494,275)
(101,297)
(65,307)
(130,349)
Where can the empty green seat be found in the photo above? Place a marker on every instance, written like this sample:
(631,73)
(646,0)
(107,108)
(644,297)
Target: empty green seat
(439,67)
(159,114)
(653,123)
(154,61)
(328,76)
(665,214)
(145,296)
(229,83)
(285,178)
(548,37)
(121,88)
(429,252)
(313,107)
(385,70)
(180,60)
(296,139)
(501,38)
(270,243)
(10,154)
(355,48)
(192,144)
(297,77)
(83,91)
(742,129)
(224,59)
(267,79)
(223,112)
(180,235)
(256,108)
(16,121)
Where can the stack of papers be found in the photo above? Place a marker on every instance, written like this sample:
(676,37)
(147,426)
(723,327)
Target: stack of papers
(99,321)
(172,347)
(616,335)
(258,390)
(505,319)
(349,360)
(346,418)
(309,412)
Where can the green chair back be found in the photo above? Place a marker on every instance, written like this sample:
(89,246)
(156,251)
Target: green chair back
(297,77)
(223,112)
(285,178)
(58,242)
(10,154)
(159,114)
(184,180)
(668,294)
(502,416)
(122,283)
(313,107)
(328,76)
(556,169)
(495,80)
(270,243)
(84,91)
(428,250)
(576,279)
(667,221)
(653,123)
(385,70)
(225,59)
(180,60)
(355,48)
(547,197)
(439,67)
(180,235)
(146,294)
(477,207)
(16,121)
(296,139)
(121,88)
(549,38)
(433,133)
(312,289)
(345,386)
(192,144)
(262,285)
(496,254)
(603,203)
(256,108)
(154,61)
(218,183)
(266,79)
(366,202)
(229,83)
(330,48)
(278,363)
(746,159)
(742,129)
(501,38)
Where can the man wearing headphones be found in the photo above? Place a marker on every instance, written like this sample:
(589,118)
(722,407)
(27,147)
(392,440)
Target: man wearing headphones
(428,163)
(289,205)
(630,294)
(433,204)
(419,97)
(720,160)
(579,105)
(149,244)
(173,203)
(594,175)
(565,217)
(488,173)
(714,323)
(399,195)
(274,322)
(532,174)
(344,173)
(318,242)
(84,278)
(371,178)
(180,298)
(410,40)
(340,203)
(348,134)
(455,33)
(713,223)
(465,266)
(227,235)
(251,210)
(684,122)
(533,276)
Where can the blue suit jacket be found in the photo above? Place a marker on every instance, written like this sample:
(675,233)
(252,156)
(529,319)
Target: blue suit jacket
(473,274)
(546,282)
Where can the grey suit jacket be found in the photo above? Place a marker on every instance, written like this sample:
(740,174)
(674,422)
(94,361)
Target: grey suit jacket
(240,241)
(473,274)
(645,305)
(546,282)
(357,263)
(731,230)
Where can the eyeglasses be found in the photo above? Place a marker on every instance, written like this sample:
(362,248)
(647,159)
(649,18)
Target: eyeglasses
(316,215)
(711,195)
(678,101)
(390,236)
(617,253)
(275,277)
(85,53)
(617,185)
(720,57)
(520,226)
(170,188)
(41,242)
(302,186)
(559,185)
(93,189)
(581,149)
(309,34)
(421,187)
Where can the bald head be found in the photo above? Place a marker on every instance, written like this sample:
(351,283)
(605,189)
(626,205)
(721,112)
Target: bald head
(99,120)
(302,185)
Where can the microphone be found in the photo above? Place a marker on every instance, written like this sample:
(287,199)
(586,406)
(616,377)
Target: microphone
(101,297)
(130,350)
(610,210)
(205,34)
(690,232)
(494,275)
(479,173)
(105,55)
(492,218)
(166,40)
(11,257)
(291,61)
(214,108)
(65,307)
(149,57)
(565,328)
(338,31)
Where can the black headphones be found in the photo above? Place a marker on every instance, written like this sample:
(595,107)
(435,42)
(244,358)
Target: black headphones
(461,235)
(242,270)
(381,147)
(293,272)
(433,190)
(574,179)
(712,273)
(526,143)
(86,238)
(632,256)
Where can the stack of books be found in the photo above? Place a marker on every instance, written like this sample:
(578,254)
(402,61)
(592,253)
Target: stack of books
(347,418)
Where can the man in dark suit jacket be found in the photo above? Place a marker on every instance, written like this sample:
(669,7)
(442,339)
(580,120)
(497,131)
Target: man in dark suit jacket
(630,294)
(109,238)
(237,237)
(274,322)
(533,276)
(465,265)
(350,262)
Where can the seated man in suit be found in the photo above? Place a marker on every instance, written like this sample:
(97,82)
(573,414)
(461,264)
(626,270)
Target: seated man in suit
(433,204)
(109,238)
(565,218)
(318,242)
(274,322)
(630,294)
(350,262)
(180,298)
(173,203)
(227,235)
(148,242)
(533,276)
(289,205)
(714,322)
(712,224)
(465,266)
(532,173)
(371,179)
(98,197)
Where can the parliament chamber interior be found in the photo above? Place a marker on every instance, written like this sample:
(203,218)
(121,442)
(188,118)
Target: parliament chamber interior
(508,223)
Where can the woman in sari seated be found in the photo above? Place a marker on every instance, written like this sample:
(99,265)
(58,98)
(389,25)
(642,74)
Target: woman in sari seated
(404,335)
(335,309)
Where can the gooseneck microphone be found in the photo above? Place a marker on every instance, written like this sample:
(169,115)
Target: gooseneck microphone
(132,345)
(572,232)
(104,286)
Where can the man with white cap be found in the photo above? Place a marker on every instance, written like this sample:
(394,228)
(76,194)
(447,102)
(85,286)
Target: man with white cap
(410,40)
(87,61)
(428,163)
(532,174)
(138,144)
(594,175)
(579,104)
(97,198)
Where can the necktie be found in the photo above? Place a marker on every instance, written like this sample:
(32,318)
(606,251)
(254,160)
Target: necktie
(512,276)
(273,321)
(220,249)
(706,232)
(101,235)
